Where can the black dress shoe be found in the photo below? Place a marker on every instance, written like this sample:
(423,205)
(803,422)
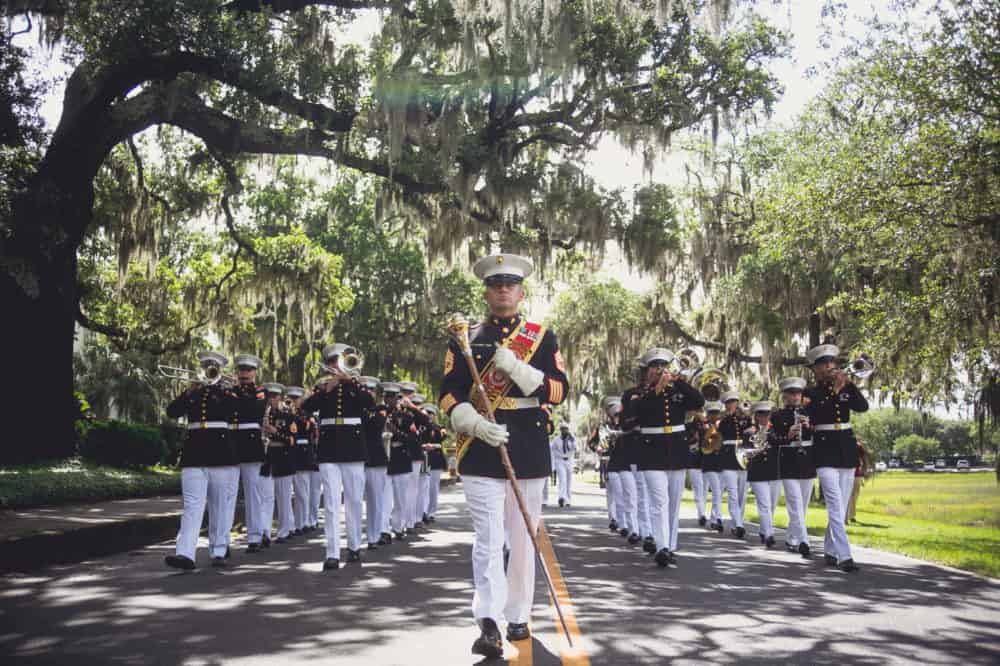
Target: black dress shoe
(265,542)
(518,631)
(762,538)
(719,528)
(385,539)
(649,546)
(739,532)
(613,526)
(623,532)
(662,557)
(228,552)
(426,520)
(295,533)
(702,520)
(400,536)
(179,562)
(769,542)
(432,519)
(331,564)
(489,644)
(671,557)
(281,540)
(848,566)
(219,562)
(253,547)
(353,555)
(634,538)
(562,502)
(804,551)
(373,546)
(829,560)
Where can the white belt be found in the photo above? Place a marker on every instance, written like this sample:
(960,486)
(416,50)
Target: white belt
(208,425)
(341,420)
(302,441)
(396,445)
(248,426)
(832,426)
(659,430)
(731,442)
(803,444)
(517,403)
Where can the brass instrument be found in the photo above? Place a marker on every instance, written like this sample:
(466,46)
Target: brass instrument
(688,363)
(210,375)
(711,382)
(758,442)
(712,442)
(347,365)
(861,367)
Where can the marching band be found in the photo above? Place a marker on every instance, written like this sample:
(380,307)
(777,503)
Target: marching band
(377,449)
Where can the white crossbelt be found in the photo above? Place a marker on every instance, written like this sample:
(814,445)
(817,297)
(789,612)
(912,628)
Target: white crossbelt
(208,425)
(731,442)
(517,403)
(248,426)
(302,441)
(832,426)
(341,420)
(662,429)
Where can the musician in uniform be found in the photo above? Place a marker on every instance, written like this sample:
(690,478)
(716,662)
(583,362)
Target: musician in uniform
(210,472)
(278,470)
(341,403)
(404,425)
(796,465)
(830,403)
(246,433)
(304,459)
(436,463)
(376,465)
(520,374)
(658,409)
(563,449)
(762,468)
(711,469)
(734,477)
(697,427)
(425,435)
(407,392)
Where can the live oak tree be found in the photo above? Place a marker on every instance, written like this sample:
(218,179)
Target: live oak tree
(465,115)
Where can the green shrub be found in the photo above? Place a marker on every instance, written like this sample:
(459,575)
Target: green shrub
(121,444)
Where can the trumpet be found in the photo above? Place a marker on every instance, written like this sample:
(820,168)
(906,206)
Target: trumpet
(349,364)
(212,374)
(861,367)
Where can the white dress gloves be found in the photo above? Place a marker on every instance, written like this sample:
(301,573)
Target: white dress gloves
(527,377)
(466,420)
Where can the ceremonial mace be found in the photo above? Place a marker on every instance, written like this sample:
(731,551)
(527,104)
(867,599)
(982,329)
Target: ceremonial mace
(458,328)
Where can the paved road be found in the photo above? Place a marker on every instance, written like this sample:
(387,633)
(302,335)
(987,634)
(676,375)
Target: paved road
(726,602)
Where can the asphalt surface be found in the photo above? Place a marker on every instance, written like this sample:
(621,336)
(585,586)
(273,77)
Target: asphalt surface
(726,602)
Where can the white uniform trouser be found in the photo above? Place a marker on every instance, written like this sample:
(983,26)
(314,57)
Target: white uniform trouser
(425,494)
(766,495)
(564,473)
(349,478)
(266,486)
(656,486)
(400,513)
(797,495)
(675,491)
(300,503)
(837,484)
(315,495)
(434,487)
(375,480)
(735,481)
(252,499)
(211,487)
(642,502)
(413,495)
(283,493)
(627,498)
(698,488)
(494,511)
(387,504)
(614,491)
(714,483)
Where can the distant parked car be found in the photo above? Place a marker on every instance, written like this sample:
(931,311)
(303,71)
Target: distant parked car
(881,466)
(929,466)
(941,464)
(962,464)
(894,463)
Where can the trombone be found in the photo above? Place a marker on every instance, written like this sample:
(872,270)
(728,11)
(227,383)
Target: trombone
(212,374)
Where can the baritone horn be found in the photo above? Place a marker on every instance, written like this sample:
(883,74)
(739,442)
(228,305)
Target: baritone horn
(349,363)
(861,367)
(711,382)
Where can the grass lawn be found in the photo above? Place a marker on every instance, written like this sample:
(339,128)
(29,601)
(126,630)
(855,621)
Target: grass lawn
(944,517)
(68,481)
